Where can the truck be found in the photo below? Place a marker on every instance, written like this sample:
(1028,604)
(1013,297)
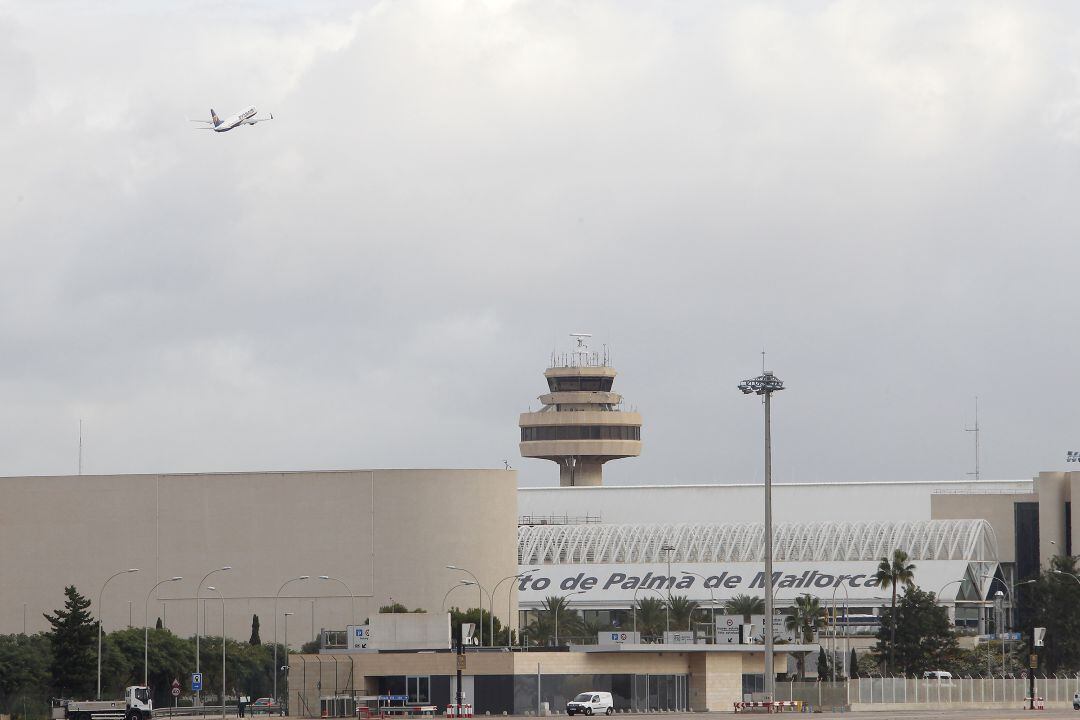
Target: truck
(136,705)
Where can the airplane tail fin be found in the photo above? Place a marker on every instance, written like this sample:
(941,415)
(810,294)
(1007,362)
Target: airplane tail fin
(214,117)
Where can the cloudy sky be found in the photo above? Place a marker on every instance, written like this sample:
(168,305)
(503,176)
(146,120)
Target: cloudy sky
(883,196)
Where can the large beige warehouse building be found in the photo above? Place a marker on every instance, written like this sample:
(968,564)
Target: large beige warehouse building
(387,533)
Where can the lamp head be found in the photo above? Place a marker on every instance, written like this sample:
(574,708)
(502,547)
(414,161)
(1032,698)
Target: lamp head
(452,567)
(132,570)
(227,567)
(324,577)
(174,579)
(211,587)
(304,577)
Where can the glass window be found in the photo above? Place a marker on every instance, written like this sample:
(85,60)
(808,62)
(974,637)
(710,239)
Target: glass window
(418,688)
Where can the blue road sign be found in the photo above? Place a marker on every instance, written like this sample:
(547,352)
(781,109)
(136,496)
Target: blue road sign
(196,682)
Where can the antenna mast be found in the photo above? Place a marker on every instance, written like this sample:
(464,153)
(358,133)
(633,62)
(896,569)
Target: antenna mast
(80,446)
(975,430)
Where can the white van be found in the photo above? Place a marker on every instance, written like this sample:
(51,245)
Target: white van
(937,675)
(591,703)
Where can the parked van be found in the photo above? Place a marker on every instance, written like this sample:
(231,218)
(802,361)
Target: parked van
(591,703)
(937,675)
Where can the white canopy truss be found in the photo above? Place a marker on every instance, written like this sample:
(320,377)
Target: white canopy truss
(971,540)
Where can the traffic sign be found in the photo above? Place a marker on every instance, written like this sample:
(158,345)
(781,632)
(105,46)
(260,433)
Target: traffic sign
(1040,637)
(196,682)
(175,683)
(176,692)
(460,662)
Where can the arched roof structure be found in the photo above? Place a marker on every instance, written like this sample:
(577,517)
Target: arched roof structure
(971,540)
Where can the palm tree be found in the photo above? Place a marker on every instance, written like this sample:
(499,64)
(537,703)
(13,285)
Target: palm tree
(891,574)
(651,616)
(542,629)
(682,609)
(745,605)
(806,617)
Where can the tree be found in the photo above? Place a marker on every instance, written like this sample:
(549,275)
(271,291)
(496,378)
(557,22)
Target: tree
(745,605)
(891,574)
(822,664)
(853,664)
(73,638)
(542,629)
(159,625)
(478,617)
(254,639)
(805,619)
(682,609)
(399,608)
(650,617)
(1054,600)
(922,637)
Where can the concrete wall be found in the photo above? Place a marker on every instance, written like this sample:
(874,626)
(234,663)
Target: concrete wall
(995,508)
(386,533)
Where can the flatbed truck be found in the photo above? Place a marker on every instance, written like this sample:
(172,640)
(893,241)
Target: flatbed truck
(136,705)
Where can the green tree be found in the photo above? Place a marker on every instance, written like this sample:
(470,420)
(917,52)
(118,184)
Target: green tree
(399,608)
(807,616)
(1054,602)
(853,664)
(650,616)
(922,637)
(682,609)
(823,665)
(73,638)
(745,605)
(159,625)
(892,574)
(477,617)
(542,629)
(254,639)
(25,676)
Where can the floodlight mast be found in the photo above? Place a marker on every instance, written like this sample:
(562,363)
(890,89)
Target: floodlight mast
(765,385)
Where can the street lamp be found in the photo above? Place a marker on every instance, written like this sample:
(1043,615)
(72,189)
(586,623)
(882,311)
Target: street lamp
(198,595)
(146,629)
(509,601)
(211,587)
(352,600)
(558,607)
(765,385)
(461,583)
(129,570)
(668,549)
(479,625)
(276,596)
(285,667)
(712,598)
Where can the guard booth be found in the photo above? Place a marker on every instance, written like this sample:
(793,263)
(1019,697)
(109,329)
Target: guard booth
(337,706)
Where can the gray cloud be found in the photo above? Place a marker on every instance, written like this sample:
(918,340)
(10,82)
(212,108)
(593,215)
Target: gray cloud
(880,195)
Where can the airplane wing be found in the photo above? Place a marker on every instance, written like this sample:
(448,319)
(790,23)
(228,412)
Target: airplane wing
(207,122)
(252,121)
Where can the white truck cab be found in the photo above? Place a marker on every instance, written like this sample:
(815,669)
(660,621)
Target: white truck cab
(591,703)
(136,705)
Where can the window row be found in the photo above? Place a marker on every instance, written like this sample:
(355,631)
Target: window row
(581,432)
(580,384)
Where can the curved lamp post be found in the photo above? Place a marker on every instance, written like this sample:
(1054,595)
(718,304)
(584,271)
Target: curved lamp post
(461,583)
(285,667)
(198,596)
(559,607)
(479,625)
(129,570)
(276,596)
(146,630)
(712,597)
(765,385)
(509,600)
(211,587)
(352,599)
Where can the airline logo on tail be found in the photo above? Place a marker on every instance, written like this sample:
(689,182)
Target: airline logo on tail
(214,117)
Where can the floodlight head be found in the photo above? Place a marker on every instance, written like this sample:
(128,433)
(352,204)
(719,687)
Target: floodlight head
(763,384)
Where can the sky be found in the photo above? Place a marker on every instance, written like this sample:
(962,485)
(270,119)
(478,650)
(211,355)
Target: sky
(880,196)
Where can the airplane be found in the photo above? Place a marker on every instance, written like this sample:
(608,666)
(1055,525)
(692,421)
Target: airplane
(244,117)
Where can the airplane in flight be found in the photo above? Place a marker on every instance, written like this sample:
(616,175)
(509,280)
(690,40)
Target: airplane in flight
(247,116)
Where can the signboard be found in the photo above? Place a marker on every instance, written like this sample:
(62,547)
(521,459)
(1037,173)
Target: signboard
(679,637)
(461,661)
(1034,661)
(358,636)
(728,628)
(1040,637)
(196,682)
(779,627)
(176,692)
(613,637)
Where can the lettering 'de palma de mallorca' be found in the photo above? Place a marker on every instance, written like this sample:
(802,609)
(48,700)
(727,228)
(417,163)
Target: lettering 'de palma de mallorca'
(731,581)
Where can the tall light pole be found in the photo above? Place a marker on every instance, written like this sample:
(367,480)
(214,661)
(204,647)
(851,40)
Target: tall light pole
(129,570)
(211,587)
(276,596)
(146,630)
(285,667)
(558,607)
(765,385)
(198,595)
(668,549)
(712,597)
(479,625)
(352,599)
(509,601)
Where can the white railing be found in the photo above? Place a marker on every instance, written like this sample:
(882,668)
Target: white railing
(960,691)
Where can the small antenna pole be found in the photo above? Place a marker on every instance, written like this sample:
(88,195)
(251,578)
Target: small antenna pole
(763,361)
(80,446)
(975,430)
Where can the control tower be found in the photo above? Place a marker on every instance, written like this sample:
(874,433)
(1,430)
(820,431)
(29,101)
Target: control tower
(581,424)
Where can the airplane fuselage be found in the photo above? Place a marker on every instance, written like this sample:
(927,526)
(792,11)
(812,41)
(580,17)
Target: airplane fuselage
(237,120)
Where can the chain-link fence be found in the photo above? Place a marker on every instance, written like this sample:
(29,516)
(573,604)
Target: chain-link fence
(962,690)
(826,695)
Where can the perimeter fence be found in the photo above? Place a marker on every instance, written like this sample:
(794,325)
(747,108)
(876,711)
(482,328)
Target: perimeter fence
(959,690)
